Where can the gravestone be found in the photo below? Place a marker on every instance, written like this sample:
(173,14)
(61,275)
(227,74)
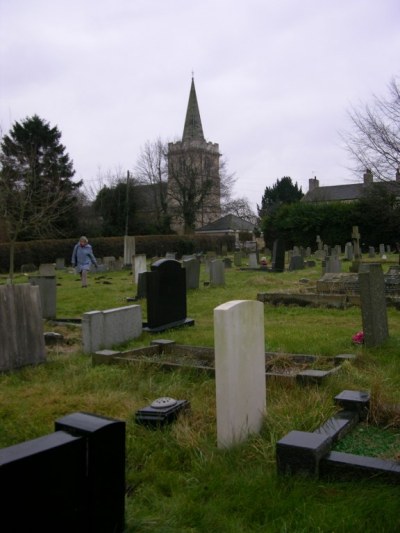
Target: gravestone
(319,243)
(60,263)
(138,266)
(48,294)
(109,262)
(47,269)
(371,251)
(333,265)
(141,286)
(239,370)
(170,255)
(278,256)
(166,296)
(129,249)
(21,327)
(373,305)
(237,259)
(192,270)
(253,260)
(217,273)
(348,251)
(356,242)
(382,249)
(296,263)
(227,262)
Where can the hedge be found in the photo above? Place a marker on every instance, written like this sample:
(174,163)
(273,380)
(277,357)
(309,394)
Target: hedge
(47,251)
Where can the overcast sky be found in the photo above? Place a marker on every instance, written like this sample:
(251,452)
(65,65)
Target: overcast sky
(274,78)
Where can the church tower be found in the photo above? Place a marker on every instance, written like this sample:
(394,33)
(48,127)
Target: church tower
(194,196)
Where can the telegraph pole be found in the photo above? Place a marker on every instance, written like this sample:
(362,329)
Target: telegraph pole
(127,203)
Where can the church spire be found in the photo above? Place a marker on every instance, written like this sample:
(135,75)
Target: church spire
(193,130)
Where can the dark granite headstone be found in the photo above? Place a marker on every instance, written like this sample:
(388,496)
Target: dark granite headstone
(166,295)
(278,256)
(105,468)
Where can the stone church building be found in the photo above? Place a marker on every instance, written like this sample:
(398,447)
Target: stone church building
(194,195)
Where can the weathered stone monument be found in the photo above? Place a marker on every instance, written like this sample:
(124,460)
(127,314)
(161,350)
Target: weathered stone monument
(239,370)
(217,272)
(192,270)
(48,293)
(355,235)
(21,327)
(373,305)
(129,249)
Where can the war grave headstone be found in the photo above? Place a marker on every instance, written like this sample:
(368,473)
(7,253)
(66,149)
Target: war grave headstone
(21,327)
(192,270)
(139,265)
(239,370)
(217,273)
(278,256)
(166,296)
(373,306)
(129,249)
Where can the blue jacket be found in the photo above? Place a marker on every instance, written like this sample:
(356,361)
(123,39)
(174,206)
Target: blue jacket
(82,257)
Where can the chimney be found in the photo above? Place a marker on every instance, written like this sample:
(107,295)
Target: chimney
(368,177)
(398,174)
(313,183)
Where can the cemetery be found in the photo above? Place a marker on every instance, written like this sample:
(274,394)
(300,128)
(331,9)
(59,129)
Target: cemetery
(236,423)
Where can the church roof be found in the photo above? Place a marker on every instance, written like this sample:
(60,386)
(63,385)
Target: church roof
(193,130)
(227,223)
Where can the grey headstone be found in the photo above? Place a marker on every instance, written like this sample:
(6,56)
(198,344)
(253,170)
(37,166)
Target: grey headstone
(373,305)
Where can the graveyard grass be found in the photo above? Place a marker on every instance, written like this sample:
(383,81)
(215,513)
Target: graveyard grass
(177,480)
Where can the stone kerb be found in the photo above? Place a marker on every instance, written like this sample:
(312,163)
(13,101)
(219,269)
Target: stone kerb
(103,329)
(239,370)
(21,327)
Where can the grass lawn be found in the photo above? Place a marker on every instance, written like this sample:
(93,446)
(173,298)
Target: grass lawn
(178,481)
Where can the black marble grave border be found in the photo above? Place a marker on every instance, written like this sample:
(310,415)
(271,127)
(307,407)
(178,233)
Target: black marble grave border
(311,452)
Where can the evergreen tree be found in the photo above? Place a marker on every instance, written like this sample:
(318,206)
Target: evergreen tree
(282,192)
(37,195)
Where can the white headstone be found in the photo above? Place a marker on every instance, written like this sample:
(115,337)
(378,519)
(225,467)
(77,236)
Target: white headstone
(239,370)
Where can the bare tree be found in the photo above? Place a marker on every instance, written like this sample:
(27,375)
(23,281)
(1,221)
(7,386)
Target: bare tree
(151,171)
(374,142)
(240,207)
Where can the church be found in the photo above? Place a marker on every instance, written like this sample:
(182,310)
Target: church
(193,189)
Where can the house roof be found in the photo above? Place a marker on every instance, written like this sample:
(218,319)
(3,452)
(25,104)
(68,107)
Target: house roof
(193,130)
(227,223)
(335,193)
